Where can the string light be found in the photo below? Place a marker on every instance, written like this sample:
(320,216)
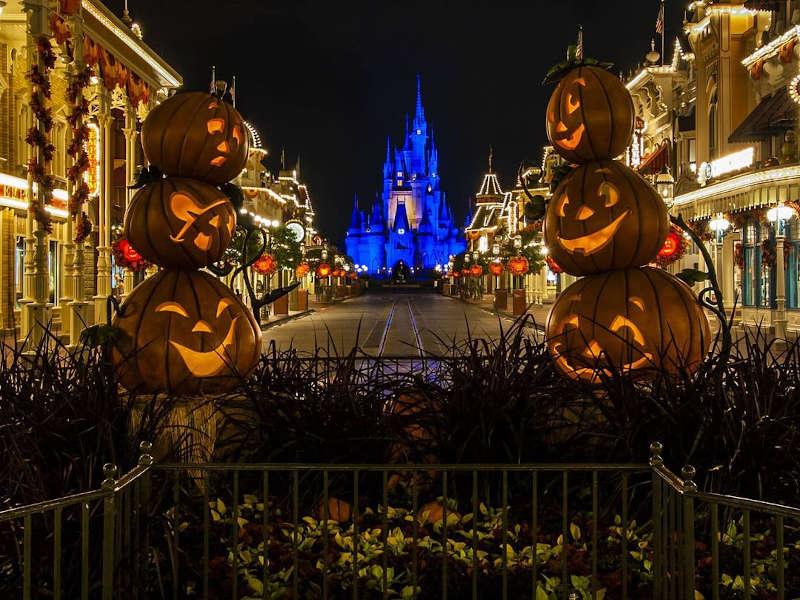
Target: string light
(793,89)
(727,164)
(772,47)
(741,182)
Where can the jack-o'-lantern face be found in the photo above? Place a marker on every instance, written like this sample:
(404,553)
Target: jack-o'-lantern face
(181,223)
(196,135)
(184,332)
(634,320)
(596,220)
(590,116)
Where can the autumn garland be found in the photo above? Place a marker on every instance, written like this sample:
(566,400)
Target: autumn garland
(80,137)
(39,135)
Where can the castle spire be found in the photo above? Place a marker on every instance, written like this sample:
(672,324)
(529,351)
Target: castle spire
(355,220)
(419,116)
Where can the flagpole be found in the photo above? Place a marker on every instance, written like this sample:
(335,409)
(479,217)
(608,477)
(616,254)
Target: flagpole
(663,31)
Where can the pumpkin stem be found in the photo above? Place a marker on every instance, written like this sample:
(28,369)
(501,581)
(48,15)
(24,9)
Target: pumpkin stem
(147,176)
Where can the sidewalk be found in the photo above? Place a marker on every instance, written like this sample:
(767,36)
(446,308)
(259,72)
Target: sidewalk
(538,312)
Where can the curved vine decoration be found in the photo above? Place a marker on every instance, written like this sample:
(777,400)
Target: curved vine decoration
(716,306)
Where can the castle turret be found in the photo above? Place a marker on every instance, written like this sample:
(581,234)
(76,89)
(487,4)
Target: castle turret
(355,219)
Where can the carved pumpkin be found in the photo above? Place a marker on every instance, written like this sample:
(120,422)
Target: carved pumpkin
(590,116)
(338,510)
(518,266)
(324,270)
(196,135)
(302,270)
(184,332)
(629,320)
(476,270)
(179,222)
(604,216)
(496,268)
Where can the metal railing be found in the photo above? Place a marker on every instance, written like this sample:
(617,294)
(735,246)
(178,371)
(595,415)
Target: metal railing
(155,533)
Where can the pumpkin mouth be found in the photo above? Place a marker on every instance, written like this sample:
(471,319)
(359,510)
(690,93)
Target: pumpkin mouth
(190,217)
(593,375)
(211,363)
(594,242)
(573,140)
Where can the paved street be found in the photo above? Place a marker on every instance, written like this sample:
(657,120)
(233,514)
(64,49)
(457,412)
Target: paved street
(389,322)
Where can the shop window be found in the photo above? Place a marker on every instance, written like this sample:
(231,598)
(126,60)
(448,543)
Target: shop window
(712,127)
(751,278)
(791,260)
(53,271)
(19,267)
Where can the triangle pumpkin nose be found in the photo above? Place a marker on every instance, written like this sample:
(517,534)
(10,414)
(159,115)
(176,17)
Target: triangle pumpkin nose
(201,327)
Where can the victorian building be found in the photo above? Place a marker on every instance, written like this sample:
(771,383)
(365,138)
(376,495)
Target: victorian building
(722,114)
(410,220)
(53,273)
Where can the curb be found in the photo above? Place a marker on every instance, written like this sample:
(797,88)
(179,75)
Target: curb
(528,324)
(288,319)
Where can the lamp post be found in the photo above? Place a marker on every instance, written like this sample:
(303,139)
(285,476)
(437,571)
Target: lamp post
(665,185)
(778,215)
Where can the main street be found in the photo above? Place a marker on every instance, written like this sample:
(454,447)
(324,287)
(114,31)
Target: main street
(388,323)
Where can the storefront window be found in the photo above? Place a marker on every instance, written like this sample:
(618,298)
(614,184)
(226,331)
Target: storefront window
(53,271)
(751,278)
(19,267)
(790,259)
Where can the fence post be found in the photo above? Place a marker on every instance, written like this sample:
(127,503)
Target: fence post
(109,483)
(656,462)
(689,489)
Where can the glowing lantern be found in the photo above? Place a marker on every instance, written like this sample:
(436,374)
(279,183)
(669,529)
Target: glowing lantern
(265,265)
(324,270)
(518,266)
(595,221)
(181,223)
(496,268)
(184,332)
(671,247)
(126,256)
(302,270)
(590,116)
(196,135)
(476,270)
(629,320)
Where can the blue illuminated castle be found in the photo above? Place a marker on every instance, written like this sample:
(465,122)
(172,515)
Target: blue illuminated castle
(410,220)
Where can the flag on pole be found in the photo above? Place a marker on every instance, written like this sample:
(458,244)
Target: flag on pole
(660,21)
(579,48)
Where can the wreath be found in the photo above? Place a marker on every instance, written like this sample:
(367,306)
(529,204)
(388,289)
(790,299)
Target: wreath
(83,229)
(127,257)
(675,247)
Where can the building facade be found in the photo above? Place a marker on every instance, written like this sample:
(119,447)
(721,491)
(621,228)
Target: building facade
(725,111)
(410,220)
(80,51)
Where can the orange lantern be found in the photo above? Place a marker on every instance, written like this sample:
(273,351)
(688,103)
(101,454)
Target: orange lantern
(265,265)
(324,270)
(302,270)
(476,270)
(353,275)
(465,272)
(496,268)
(671,247)
(518,265)
(455,274)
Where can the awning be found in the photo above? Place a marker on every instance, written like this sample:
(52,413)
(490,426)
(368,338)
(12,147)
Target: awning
(656,160)
(773,116)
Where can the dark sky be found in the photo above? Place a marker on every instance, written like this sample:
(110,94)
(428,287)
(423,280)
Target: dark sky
(331,78)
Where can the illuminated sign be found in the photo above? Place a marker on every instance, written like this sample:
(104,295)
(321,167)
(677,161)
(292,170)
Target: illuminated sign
(727,164)
(92,175)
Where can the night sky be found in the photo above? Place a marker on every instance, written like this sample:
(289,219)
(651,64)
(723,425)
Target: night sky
(330,79)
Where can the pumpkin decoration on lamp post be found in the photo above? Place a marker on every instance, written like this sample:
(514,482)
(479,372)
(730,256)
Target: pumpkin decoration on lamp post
(604,223)
(323,270)
(518,266)
(265,265)
(182,331)
(302,270)
(476,270)
(496,268)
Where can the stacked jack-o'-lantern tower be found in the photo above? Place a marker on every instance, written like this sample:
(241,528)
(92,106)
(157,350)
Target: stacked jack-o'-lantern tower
(604,222)
(182,331)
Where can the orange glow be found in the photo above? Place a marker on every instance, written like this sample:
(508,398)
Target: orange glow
(224,147)
(671,245)
(324,270)
(215,126)
(237,134)
(219,161)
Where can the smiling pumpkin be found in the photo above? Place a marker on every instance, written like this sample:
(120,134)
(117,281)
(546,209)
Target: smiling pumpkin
(633,320)
(596,220)
(184,332)
(590,116)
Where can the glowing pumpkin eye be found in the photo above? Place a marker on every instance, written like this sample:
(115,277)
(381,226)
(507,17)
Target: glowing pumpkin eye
(562,204)
(561,127)
(573,103)
(223,304)
(635,300)
(237,134)
(172,307)
(215,126)
(611,194)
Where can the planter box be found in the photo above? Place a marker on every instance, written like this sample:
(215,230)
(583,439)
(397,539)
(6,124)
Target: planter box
(520,303)
(302,300)
(281,305)
(501,300)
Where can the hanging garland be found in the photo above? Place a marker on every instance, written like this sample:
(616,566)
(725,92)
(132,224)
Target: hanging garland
(127,257)
(674,248)
(83,229)
(80,137)
(702,228)
(39,134)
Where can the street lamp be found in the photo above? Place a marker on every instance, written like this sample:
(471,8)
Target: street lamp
(324,254)
(780,213)
(665,184)
(467,258)
(518,242)
(495,249)
(719,225)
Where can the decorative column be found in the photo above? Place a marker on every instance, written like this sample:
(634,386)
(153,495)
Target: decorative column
(779,316)
(104,121)
(130,174)
(8,291)
(35,312)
